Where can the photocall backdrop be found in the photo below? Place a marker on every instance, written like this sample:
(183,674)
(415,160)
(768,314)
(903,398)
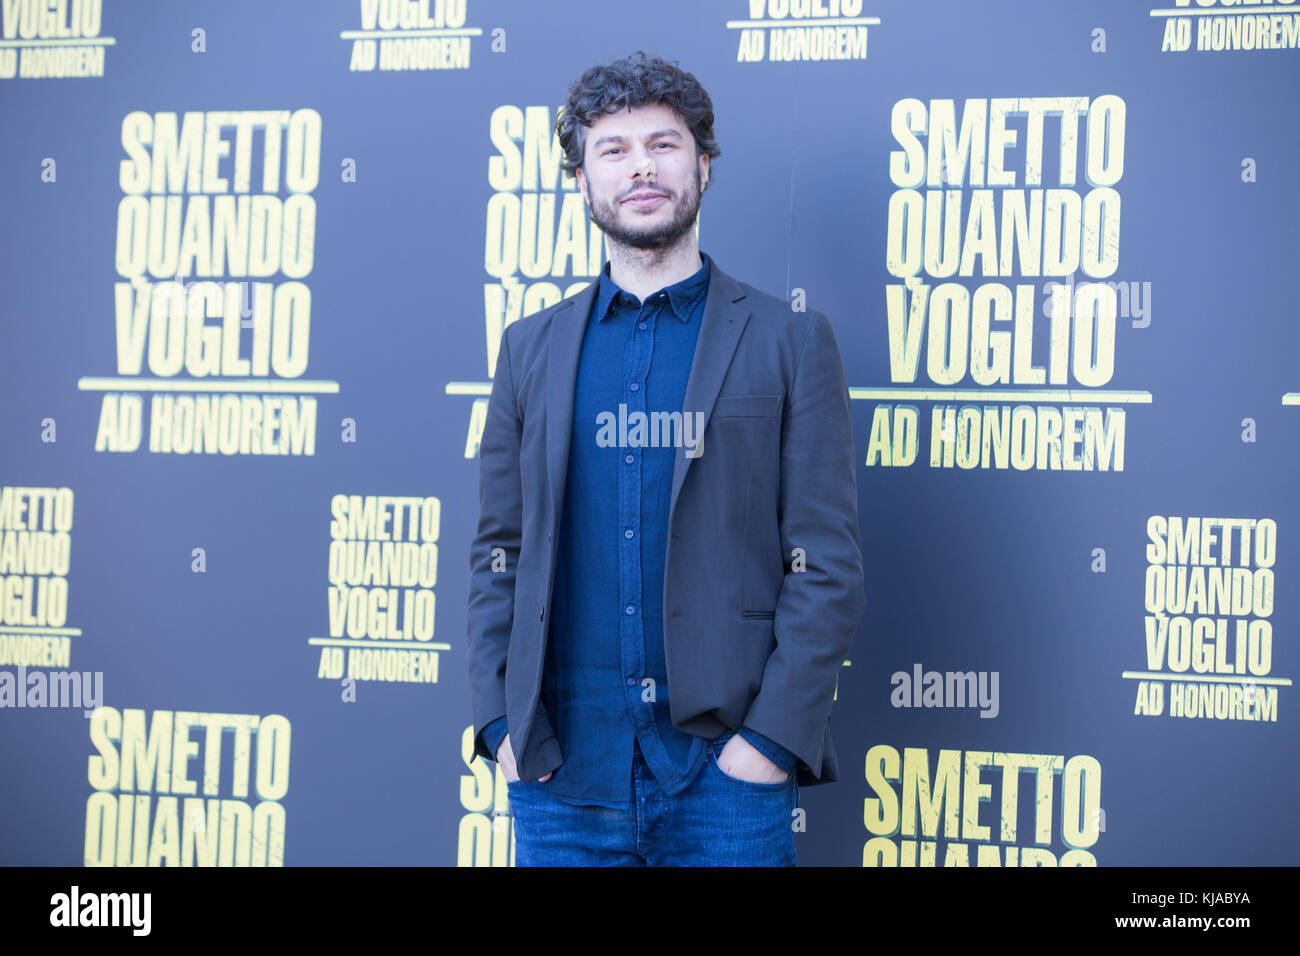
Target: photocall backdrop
(257,262)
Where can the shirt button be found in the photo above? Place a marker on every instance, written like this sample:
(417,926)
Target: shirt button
(641,325)
(627,533)
(630,609)
(631,682)
(629,459)
(635,387)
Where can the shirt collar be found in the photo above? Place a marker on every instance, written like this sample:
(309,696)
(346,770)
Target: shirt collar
(682,296)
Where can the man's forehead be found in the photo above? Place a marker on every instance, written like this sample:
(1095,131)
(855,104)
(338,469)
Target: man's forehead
(640,121)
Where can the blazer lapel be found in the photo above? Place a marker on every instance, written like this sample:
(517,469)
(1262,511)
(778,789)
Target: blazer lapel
(567,328)
(724,320)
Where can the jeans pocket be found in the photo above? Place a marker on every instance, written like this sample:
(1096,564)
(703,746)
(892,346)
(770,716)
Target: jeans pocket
(775,787)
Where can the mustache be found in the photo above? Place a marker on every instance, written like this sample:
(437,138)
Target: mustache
(652,187)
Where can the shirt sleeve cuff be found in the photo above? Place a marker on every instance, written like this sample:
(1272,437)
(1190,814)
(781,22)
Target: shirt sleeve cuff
(770,749)
(494,733)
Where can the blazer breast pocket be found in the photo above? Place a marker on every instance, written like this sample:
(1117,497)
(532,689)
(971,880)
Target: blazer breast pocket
(746,406)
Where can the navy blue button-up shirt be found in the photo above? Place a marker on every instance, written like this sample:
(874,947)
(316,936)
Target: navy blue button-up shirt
(605,680)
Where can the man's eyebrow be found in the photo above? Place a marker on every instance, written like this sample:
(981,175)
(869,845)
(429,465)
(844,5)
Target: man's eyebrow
(623,139)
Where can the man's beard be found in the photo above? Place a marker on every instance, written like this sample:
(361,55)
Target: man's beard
(659,236)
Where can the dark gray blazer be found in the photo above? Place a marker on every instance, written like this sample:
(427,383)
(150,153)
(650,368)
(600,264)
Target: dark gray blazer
(763,587)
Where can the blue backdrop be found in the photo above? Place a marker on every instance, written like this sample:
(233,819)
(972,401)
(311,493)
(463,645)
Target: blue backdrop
(379,181)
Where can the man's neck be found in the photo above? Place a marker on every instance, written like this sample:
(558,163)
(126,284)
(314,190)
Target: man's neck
(646,271)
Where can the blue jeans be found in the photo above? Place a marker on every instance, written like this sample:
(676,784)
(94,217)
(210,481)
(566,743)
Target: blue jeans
(717,820)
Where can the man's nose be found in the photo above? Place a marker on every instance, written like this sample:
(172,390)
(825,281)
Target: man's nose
(645,169)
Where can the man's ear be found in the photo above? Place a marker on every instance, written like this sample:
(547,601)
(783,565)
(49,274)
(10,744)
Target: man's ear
(704,171)
(582,184)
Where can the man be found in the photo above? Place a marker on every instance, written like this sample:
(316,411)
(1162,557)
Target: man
(658,616)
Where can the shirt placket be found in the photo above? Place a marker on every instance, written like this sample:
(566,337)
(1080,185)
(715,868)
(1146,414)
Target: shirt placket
(636,367)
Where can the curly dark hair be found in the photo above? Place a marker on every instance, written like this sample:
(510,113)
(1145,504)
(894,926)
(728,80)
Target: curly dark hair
(637,80)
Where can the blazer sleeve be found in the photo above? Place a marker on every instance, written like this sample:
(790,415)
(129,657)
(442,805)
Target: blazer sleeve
(820,607)
(490,614)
